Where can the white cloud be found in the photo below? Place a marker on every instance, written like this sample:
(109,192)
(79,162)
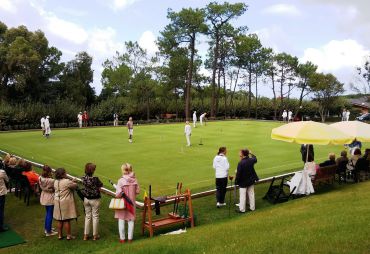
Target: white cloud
(276,38)
(8,6)
(336,55)
(62,28)
(147,41)
(283,9)
(121,4)
(103,42)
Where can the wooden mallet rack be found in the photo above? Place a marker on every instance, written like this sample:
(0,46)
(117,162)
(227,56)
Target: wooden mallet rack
(172,218)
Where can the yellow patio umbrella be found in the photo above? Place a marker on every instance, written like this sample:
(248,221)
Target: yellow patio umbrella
(357,129)
(310,132)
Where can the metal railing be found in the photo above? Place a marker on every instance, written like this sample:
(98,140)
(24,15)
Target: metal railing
(139,204)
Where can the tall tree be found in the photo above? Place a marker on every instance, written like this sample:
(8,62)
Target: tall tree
(286,73)
(364,75)
(184,28)
(248,49)
(304,72)
(76,79)
(218,16)
(326,88)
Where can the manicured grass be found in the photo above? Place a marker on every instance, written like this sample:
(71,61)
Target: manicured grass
(159,154)
(335,220)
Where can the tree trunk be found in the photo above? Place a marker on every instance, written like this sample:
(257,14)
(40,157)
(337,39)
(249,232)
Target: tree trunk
(189,79)
(218,89)
(274,99)
(214,70)
(250,93)
(148,109)
(256,96)
(225,94)
(233,92)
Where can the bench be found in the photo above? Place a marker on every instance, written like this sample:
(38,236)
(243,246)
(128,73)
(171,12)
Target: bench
(325,175)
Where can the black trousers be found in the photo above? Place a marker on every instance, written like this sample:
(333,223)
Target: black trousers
(2,208)
(221,184)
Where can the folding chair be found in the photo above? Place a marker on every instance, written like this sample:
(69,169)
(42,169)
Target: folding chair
(276,193)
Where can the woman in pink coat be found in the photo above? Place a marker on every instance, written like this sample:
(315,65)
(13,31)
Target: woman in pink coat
(129,185)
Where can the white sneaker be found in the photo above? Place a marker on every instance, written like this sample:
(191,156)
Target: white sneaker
(223,204)
(237,205)
(51,234)
(218,205)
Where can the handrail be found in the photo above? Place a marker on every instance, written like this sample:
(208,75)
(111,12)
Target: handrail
(139,204)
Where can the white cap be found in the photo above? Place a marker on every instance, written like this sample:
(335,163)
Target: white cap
(47,117)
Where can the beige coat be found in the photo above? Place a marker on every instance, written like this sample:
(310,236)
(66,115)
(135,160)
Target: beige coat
(64,202)
(3,179)
(47,191)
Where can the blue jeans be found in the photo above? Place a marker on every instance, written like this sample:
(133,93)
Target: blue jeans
(2,207)
(49,218)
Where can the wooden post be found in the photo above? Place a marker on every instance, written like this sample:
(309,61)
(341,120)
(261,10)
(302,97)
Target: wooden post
(190,208)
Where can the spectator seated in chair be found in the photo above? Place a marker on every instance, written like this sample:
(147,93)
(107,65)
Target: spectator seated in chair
(329,162)
(31,175)
(361,168)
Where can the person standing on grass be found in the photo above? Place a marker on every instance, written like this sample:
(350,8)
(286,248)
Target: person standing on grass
(285,115)
(64,203)
(128,185)
(344,115)
(246,177)
(290,116)
(195,119)
(221,166)
(79,119)
(43,125)
(130,129)
(201,118)
(47,127)
(3,191)
(115,119)
(46,183)
(347,115)
(85,118)
(91,192)
(188,133)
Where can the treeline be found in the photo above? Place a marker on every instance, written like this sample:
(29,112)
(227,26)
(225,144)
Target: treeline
(34,81)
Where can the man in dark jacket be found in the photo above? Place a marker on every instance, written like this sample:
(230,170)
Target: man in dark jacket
(246,177)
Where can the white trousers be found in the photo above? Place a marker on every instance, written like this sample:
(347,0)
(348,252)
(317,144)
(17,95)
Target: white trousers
(92,207)
(243,192)
(188,139)
(194,123)
(121,229)
(201,121)
(80,123)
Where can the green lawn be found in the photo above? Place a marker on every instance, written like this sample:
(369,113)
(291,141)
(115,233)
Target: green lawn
(159,154)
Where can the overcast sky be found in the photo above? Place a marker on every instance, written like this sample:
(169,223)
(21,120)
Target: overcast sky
(334,34)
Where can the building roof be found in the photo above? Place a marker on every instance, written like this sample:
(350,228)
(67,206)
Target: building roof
(360,102)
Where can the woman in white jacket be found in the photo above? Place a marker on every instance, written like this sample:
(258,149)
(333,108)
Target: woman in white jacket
(221,166)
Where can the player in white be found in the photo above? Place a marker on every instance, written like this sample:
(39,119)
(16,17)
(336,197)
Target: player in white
(285,115)
(43,125)
(290,116)
(47,127)
(79,119)
(130,129)
(188,133)
(195,119)
(201,118)
(347,115)
(115,119)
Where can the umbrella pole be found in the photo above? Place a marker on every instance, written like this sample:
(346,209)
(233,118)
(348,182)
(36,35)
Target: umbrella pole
(307,147)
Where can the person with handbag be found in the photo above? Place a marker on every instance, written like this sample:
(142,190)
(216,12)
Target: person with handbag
(64,203)
(129,188)
(46,183)
(91,193)
(246,177)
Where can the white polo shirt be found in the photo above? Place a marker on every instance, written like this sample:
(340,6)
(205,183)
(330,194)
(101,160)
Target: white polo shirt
(221,166)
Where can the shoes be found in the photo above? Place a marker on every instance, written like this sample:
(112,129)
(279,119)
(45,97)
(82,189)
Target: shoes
(239,211)
(220,204)
(237,205)
(122,241)
(86,237)
(96,237)
(52,233)
(130,241)
(70,237)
